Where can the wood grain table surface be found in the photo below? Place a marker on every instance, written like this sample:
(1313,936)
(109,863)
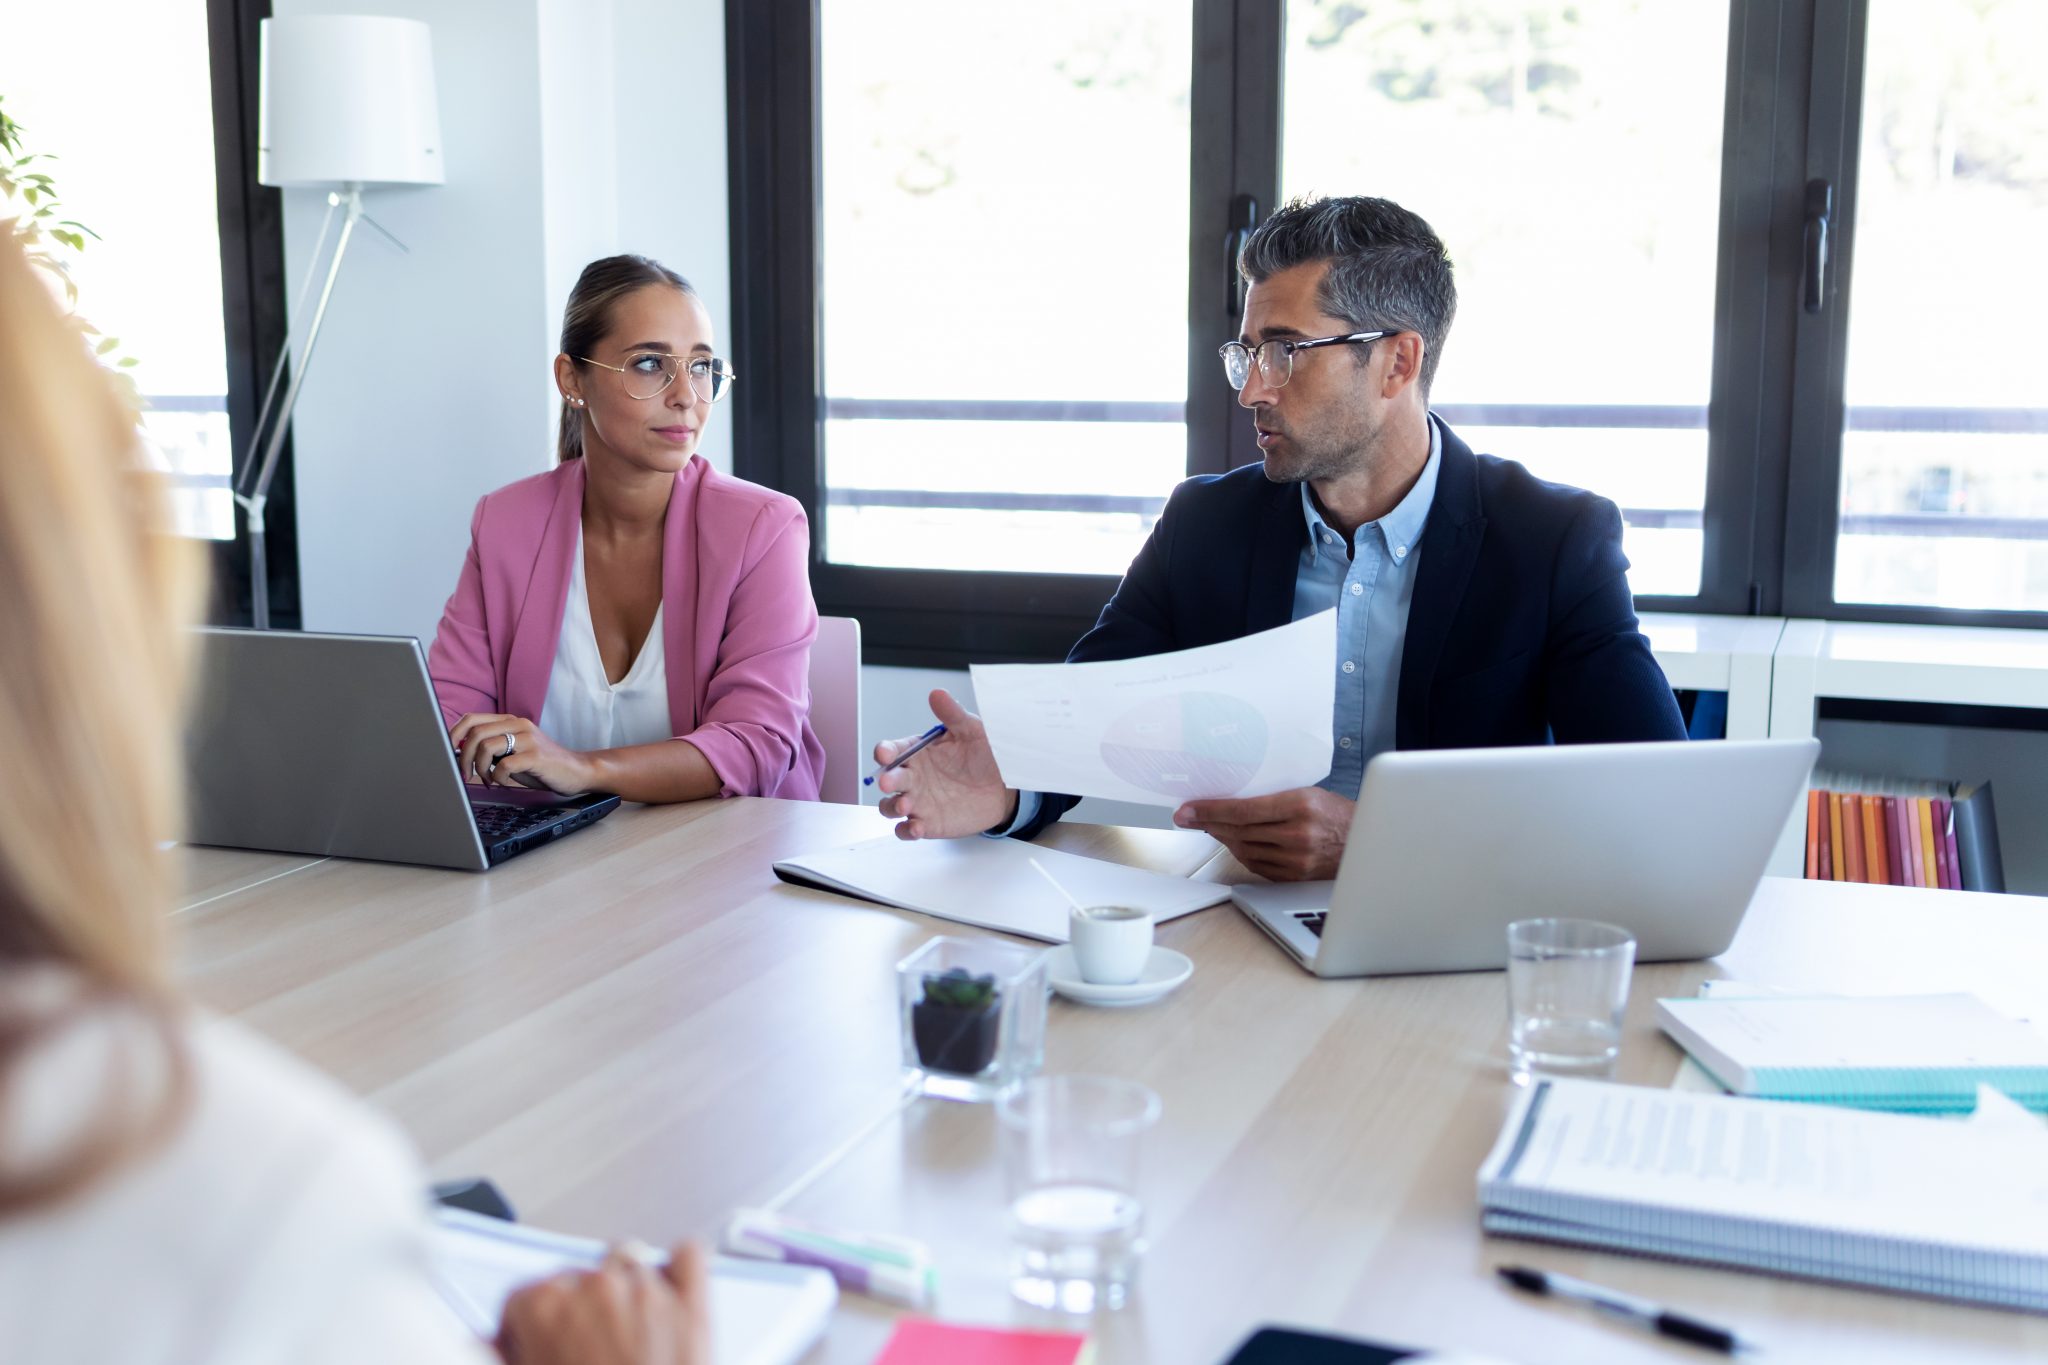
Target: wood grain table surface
(638,1029)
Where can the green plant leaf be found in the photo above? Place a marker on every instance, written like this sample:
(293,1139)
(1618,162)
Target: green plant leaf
(126,361)
(106,344)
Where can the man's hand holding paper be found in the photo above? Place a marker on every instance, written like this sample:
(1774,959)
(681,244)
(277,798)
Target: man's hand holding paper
(1230,734)
(1247,717)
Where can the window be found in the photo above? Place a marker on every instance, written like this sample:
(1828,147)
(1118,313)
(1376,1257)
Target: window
(181,274)
(1944,483)
(1004,383)
(144,185)
(1760,271)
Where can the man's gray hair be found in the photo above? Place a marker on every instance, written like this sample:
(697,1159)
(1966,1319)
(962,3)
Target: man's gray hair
(1388,268)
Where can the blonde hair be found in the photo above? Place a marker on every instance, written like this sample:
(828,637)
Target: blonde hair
(96,595)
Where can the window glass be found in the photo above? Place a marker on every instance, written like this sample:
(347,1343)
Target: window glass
(123,104)
(1944,497)
(1569,154)
(1004,280)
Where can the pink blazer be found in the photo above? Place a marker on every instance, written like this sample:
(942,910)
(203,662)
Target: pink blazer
(737,619)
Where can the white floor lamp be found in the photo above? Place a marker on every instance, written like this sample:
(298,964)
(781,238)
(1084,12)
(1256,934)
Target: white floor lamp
(347,104)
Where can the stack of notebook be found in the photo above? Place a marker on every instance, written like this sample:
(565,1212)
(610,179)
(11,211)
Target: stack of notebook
(1911,1053)
(1902,832)
(1888,1201)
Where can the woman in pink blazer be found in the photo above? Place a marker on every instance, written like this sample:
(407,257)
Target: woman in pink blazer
(633,621)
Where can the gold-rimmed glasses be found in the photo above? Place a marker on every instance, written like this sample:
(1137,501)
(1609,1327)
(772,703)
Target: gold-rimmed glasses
(647,373)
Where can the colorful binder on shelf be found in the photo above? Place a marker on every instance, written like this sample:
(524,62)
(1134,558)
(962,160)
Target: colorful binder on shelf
(1902,832)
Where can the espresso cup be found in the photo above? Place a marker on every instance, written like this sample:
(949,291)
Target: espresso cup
(1111,943)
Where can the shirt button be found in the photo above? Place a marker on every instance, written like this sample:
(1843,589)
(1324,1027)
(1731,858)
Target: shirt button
(1350,667)
(1357,589)
(1329,539)
(1400,552)
(1344,743)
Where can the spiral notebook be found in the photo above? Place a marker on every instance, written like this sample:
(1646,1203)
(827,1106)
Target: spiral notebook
(1914,1053)
(1886,1201)
(762,1313)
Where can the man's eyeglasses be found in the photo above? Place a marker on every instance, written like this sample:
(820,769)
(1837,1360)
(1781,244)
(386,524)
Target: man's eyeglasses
(647,373)
(1276,357)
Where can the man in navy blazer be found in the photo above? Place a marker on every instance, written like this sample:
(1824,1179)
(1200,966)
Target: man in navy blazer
(1477,605)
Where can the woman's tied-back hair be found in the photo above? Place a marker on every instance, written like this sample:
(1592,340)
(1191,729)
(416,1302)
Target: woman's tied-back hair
(587,320)
(96,599)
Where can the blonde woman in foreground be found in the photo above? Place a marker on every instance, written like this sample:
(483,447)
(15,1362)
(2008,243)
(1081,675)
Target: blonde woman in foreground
(172,1188)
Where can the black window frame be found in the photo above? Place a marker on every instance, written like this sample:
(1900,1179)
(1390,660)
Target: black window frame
(252,270)
(1791,114)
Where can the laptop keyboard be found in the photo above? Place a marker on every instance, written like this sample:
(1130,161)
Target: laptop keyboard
(1312,920)
(497,822)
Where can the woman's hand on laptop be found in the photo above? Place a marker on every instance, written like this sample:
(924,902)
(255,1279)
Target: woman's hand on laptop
(496,750)
(1290,836)
(951,787)
(623,1313)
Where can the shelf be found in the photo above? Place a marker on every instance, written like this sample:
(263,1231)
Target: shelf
(1967,666)
(1953,665)
(1729,654)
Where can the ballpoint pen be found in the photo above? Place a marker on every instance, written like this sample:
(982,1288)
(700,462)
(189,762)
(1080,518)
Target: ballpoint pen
(927,737)
(1628,1307)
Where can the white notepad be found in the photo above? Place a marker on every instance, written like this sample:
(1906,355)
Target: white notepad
(1889,1201)
(1920,1053)
(762,1313)
(990,884)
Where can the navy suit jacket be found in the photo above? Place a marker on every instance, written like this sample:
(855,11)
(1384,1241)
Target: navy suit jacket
(1521,630)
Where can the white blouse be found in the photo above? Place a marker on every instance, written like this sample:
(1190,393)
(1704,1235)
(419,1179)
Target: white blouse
(584,709)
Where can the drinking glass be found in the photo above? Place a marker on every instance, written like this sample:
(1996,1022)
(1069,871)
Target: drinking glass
(1567,987)
(1070,1169)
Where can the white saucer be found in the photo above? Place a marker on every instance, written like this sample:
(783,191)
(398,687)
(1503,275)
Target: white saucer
(1164,970)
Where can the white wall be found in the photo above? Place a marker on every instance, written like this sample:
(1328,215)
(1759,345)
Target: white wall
(432,384)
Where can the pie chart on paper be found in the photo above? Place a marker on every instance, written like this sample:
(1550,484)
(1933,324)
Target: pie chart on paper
(1195,745)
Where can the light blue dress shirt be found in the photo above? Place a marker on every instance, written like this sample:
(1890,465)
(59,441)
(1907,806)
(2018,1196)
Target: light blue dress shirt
(1371,589)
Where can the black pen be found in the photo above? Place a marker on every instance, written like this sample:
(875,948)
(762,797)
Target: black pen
(927,737)
(1628,1307)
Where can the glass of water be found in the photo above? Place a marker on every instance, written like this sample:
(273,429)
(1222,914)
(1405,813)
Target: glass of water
(1567,987)
(1070,1169)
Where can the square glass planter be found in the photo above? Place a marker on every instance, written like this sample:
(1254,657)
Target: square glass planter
(973,1016)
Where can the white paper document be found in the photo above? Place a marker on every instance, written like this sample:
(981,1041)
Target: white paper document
(762,1313)
(1246,717)
(990,884)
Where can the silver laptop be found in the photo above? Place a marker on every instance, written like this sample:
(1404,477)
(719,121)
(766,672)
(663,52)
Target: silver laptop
(1449,846)
(333,744)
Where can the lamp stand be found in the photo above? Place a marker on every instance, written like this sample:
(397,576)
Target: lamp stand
(255,500)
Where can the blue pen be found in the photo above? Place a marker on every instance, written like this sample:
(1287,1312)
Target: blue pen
(922,740)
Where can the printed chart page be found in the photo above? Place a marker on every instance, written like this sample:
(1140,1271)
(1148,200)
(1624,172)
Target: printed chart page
(1246,717)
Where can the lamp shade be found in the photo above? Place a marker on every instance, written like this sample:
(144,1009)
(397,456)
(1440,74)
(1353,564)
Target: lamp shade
(347,99)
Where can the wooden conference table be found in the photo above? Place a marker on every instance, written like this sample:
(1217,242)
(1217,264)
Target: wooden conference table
(638,1029)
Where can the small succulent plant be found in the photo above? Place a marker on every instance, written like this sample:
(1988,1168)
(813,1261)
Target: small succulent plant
(960,989)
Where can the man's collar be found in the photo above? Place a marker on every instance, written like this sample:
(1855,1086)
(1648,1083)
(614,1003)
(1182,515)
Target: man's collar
(1402,527)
